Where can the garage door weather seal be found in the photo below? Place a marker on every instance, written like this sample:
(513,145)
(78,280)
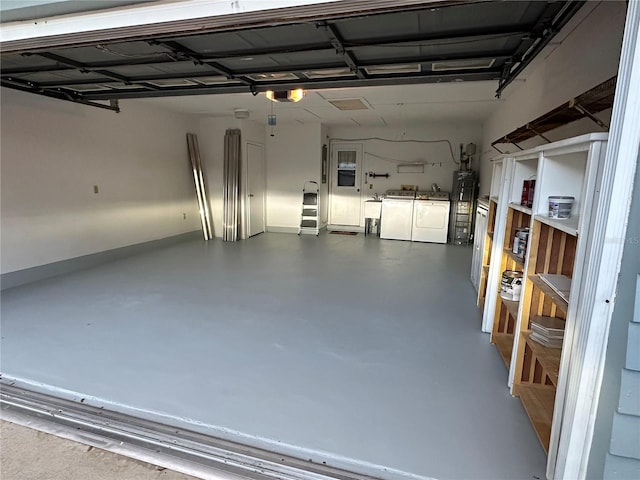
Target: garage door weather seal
(167,446)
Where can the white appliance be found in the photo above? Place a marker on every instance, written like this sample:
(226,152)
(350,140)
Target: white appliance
(482,216)
(430,217)
(397,215)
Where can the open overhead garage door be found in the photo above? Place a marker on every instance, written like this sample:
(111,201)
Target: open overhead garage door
(242,48)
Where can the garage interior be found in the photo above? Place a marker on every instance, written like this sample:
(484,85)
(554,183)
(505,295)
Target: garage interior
(352,352)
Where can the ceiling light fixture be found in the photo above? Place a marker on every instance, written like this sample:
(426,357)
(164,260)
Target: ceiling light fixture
(285,95)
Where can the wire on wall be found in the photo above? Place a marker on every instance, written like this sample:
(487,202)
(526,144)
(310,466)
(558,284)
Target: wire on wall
(453,158)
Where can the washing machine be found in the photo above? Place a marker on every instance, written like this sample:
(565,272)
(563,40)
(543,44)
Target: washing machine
(396,217)
(431,217)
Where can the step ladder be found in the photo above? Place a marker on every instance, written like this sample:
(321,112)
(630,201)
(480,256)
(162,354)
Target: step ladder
(310,218)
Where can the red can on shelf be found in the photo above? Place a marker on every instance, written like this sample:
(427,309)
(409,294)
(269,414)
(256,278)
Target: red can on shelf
(528,188)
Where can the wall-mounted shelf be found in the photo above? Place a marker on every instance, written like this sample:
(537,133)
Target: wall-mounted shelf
(546,290)
(410,168)
(586,105)
(511,306)
(549,358)
(518,260)
(567,225)
(520,208)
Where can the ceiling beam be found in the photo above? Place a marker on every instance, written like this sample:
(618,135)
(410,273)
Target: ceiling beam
(307,84)
(59,95)
(82,68)
(189,54)
(336,42)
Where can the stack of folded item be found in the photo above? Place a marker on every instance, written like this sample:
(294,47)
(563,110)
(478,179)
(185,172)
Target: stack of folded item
(547,331)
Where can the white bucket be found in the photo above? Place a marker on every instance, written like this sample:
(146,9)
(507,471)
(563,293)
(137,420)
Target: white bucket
(560,207)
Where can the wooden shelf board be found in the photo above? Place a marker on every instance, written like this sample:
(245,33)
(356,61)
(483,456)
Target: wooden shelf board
(504,343)
(511,306)
(594,100)
(567,225)
(538,402)
(549,358)
(520,208)
(514,257)
(549,293)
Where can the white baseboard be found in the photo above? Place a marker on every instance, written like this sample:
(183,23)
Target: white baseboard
(345,228)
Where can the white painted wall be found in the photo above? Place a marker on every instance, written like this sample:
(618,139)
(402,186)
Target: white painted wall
(584,54)
(54,152)
(293,157)
(399,151)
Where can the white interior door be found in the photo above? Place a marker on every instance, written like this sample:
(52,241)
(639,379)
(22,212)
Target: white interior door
(346,183)
(255,189)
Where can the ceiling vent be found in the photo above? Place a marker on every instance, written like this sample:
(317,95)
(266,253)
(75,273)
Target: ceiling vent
(349,104)
(215,80)
(120,85)
(88,87)
(391,69)
(463,64)
(329,73)
(172,82)
(267,77)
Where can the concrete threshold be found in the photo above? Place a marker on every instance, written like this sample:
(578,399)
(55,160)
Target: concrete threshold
(174,448)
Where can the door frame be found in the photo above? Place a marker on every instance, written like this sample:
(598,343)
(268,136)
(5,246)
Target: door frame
(333,146)
(607,240)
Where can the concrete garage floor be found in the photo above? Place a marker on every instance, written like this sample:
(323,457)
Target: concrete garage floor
(27,454)
(360,352)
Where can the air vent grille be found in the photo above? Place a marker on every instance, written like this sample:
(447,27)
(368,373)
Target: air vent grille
(391,69)
(463,64)
(267,77)
(349,104)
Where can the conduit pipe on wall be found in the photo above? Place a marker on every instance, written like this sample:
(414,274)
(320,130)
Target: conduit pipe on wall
(201,191)
(231,188)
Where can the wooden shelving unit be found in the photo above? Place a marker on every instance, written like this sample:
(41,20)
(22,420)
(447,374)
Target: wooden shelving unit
(546,364)
(568,225)
(538,401)
(506,312)
(504,343)
(553,267)
(520,208)
(537,367)
(546,290)
(519,261)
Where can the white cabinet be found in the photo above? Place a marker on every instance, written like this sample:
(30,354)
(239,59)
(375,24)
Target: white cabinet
(479,238)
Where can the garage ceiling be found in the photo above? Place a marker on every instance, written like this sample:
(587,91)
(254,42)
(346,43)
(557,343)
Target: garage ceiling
(437,42)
